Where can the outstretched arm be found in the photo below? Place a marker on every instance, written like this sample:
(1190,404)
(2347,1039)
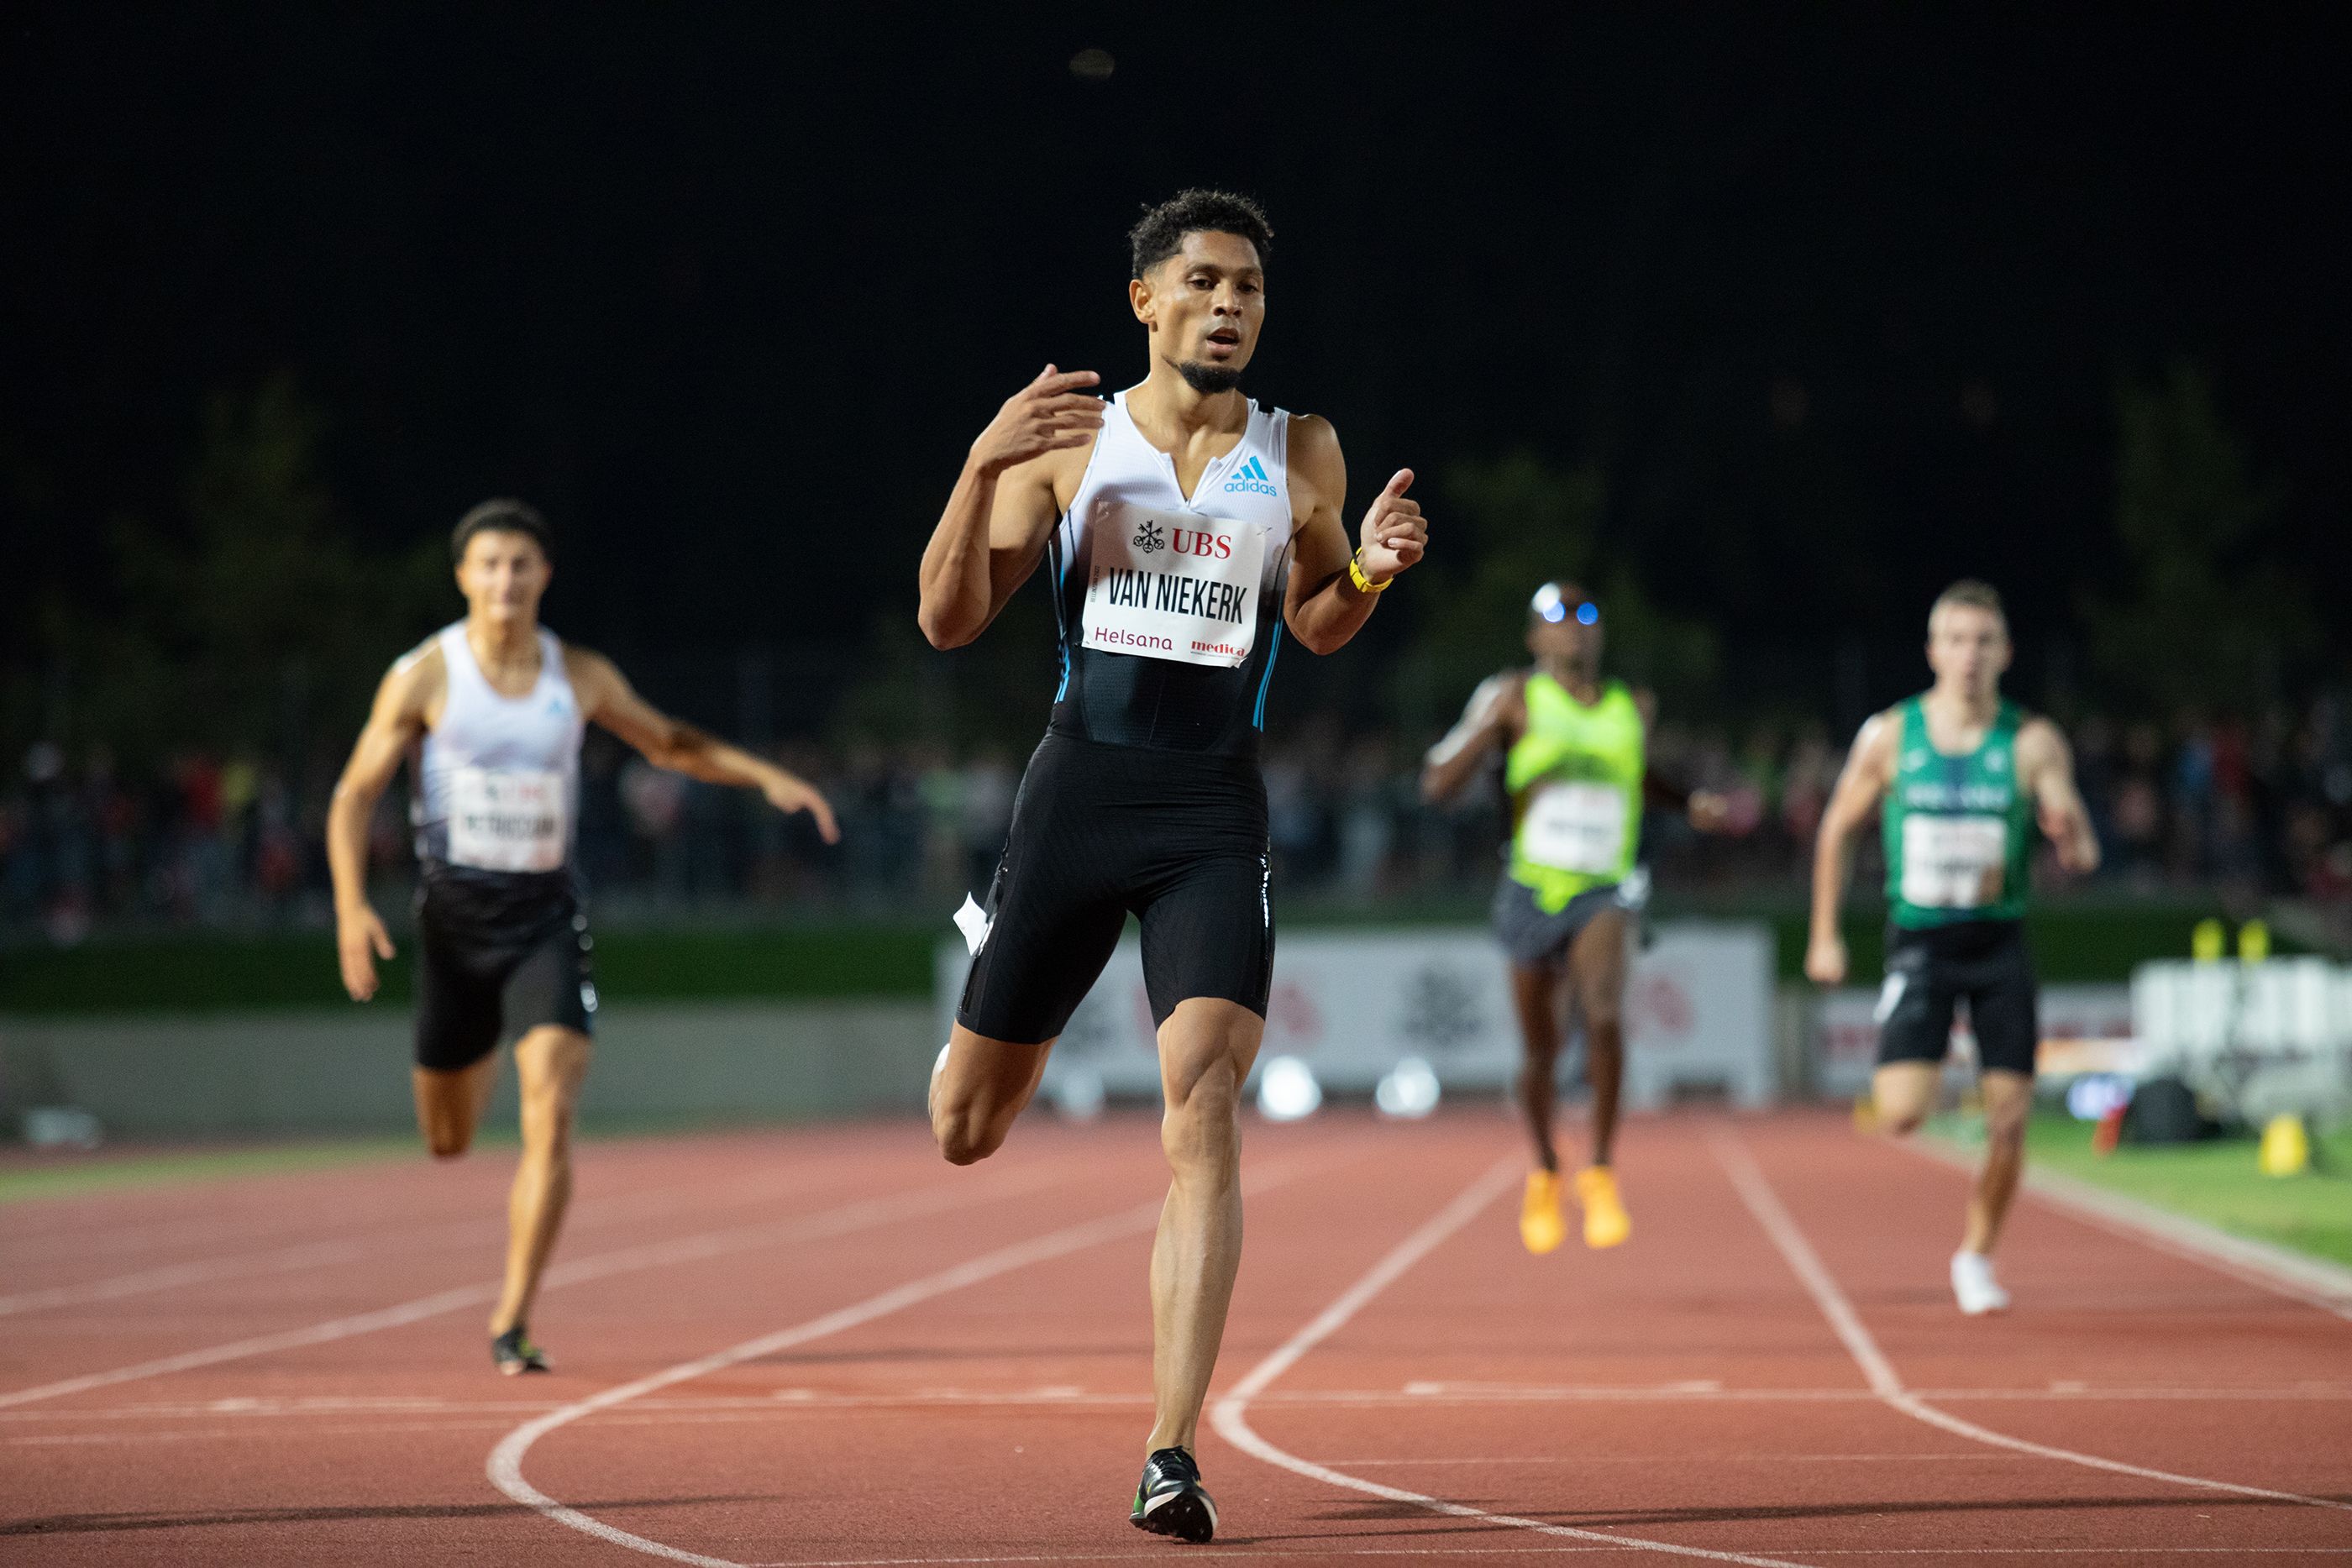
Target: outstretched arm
(607,698)
(2047,765)
(393,726)
(1489,719)
(1322,603)
(989,538)
(1860,787)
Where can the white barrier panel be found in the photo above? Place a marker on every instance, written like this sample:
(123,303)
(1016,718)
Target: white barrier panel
(1845,1043)
(1351,1005)
(2255,1039)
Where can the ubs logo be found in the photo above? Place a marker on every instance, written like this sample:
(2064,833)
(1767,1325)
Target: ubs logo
(1209,546)
(1147,539)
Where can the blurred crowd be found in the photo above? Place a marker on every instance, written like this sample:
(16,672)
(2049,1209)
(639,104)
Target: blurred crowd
(2259,808)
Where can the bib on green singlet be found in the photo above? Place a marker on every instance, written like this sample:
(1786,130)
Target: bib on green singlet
(1959,829)
(1575,779)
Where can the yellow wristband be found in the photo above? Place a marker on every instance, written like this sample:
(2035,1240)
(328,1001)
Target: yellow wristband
(1365,584)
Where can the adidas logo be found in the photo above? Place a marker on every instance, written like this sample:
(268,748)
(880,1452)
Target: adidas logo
(1250,476)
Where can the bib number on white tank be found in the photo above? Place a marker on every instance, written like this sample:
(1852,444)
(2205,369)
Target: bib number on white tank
(1575,827)
(1172,585)
(507,819)
(1953,862)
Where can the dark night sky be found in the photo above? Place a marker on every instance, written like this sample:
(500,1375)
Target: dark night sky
(728,290)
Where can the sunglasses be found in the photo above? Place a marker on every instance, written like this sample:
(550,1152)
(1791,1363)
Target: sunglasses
(1551,605)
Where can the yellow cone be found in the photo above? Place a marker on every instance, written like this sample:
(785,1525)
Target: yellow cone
(2286,1147)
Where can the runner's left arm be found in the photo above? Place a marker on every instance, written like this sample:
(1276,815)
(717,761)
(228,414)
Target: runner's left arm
(2048,765)
(607,698)
(1322,604)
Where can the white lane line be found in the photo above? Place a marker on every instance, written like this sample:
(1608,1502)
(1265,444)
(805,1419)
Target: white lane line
(505,1466)
(1747,1179)
(857,1216)
(602,1213)
(785,1401)
(1326,1554)
(1230,1418)
(2311,1281)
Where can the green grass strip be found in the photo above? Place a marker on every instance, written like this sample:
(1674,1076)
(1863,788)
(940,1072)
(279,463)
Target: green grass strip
(2216,1180)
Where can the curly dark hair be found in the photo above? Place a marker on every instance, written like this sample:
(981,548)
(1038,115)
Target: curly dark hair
(1160,233)
(502,516)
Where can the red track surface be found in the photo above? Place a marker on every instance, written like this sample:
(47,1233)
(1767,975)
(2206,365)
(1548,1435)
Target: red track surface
(169,1393)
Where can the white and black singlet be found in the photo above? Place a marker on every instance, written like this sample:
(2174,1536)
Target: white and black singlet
(1145,795)
(503,944)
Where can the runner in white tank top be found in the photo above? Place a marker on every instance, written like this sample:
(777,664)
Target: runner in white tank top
(1185,529)
(490,712)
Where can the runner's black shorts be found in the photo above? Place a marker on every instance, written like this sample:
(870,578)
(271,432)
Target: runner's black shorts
(1177,839)
(499,954)
(1930,970)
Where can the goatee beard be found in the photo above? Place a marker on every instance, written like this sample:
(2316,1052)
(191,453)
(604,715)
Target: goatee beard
(1208,380)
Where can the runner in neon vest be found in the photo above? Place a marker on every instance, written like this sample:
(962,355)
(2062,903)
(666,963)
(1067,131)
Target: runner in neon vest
(1576,769)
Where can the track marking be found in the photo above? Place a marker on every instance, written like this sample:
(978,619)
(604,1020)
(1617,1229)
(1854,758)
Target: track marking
(505,1464)
(346,1248)
(1229,1415)
(1747,1179)
(1324,1554)
(857,1216)
(2311,1281)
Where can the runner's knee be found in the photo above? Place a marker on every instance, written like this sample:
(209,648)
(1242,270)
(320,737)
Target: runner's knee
(1203,1126)
(966,1131)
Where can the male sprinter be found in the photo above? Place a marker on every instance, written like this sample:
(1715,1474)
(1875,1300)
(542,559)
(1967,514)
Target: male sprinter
(1575,769)
(1963,775)
(1184,527)
(489,712)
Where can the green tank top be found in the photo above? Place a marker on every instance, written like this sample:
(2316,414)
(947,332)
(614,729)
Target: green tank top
(1575,781)
(1959,829)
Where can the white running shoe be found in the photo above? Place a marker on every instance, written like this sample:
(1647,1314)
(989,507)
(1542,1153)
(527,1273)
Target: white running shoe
(1973,1283)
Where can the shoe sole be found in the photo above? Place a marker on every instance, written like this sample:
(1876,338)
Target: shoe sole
(1186,1515)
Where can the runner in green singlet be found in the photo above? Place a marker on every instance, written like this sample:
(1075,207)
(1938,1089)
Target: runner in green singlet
(1575,766)
(1963,777)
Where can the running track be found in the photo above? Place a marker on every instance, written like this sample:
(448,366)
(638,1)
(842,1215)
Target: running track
(827,1347)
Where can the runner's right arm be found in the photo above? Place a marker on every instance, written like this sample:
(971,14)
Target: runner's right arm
(1489,719)
(393,724)
(1869,768)
(989,538)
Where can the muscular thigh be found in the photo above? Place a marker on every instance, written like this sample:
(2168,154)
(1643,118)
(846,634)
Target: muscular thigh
(1596,966)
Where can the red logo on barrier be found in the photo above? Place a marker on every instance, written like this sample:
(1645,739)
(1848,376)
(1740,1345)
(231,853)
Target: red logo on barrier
(1658,1005)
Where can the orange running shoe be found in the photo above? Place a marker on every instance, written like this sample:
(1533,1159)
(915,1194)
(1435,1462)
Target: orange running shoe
(1606,1223)
(1540,1226)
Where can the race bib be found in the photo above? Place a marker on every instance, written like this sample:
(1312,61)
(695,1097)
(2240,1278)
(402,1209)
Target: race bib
(1953,862)
(1575,827)
(1173,585)
(507,819)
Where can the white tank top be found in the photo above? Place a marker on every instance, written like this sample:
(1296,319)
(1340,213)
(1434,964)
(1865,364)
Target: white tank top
(1170,606)
(498,779)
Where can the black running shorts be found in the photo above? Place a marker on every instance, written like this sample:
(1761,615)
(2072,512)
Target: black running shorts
(499,954)
(1929,971)
(1099,831)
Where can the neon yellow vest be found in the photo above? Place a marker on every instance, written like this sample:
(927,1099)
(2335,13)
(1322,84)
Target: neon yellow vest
(1575,780)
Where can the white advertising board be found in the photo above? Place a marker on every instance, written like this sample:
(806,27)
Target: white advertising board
(1353,1004)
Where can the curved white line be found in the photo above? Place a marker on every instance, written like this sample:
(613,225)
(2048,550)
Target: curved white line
(1230,1418)
(1756,1192)
(505,1466)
